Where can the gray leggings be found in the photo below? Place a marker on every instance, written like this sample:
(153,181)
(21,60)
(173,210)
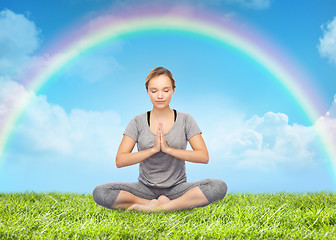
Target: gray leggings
(106,194)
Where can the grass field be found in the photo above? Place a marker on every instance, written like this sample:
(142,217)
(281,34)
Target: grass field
(238,216)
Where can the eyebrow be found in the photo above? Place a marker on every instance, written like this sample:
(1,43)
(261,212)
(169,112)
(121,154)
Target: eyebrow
(153,88)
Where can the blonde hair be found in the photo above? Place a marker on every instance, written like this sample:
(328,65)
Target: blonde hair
(157,72)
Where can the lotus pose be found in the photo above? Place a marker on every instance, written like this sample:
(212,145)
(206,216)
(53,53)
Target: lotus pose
(161,136)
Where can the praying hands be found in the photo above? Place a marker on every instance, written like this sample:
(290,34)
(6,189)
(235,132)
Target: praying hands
(160,141)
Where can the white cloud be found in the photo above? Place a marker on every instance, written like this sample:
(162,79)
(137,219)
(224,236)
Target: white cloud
(327,46)
(47,130)
(10,92)
(254,4)
(264,143)
(19,38)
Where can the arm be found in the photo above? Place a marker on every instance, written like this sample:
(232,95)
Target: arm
(199,154)
(125,157)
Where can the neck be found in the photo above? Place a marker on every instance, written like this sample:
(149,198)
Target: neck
(161,113)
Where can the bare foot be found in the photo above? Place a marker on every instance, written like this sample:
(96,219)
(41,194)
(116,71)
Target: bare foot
(163,199)
(138,207)
(151,206)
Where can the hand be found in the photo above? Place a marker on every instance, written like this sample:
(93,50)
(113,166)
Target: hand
(157,144)
(163,146)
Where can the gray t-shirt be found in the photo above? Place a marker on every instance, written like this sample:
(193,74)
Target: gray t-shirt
(162,170)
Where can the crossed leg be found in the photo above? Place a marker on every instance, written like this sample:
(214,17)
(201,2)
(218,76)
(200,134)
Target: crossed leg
(192,198)
(110,196)
(126,199)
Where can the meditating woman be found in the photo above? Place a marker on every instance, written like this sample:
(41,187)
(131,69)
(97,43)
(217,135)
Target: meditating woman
(161,136)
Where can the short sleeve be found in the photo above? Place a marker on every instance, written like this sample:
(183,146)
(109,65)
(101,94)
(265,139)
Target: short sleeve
(191,127)
(132,129)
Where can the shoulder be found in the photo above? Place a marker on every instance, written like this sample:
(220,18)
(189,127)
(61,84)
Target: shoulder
(185,116)
(190,125)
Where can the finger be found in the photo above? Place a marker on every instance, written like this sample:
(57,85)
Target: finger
(162,138)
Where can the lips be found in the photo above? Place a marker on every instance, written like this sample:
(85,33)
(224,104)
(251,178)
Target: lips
(160,102)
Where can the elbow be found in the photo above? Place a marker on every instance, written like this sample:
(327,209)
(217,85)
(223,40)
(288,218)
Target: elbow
(118,163)
(122,160)
(206,159)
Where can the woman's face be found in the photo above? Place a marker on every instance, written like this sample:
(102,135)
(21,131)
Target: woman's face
(160,91)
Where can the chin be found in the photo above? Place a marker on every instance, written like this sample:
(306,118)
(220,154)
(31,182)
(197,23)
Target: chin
(161,106)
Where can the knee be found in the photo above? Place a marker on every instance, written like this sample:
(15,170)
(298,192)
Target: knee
(220,188)
(97,194)
(104,197)
(214,190)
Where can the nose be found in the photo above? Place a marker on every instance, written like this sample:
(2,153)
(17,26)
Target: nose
(160,95)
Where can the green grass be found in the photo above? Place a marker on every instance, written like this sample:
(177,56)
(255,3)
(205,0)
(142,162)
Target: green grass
(237,216)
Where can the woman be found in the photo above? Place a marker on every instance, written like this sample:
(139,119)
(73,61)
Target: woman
(161,136)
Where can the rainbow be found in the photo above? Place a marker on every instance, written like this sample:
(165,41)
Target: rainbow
(108,27)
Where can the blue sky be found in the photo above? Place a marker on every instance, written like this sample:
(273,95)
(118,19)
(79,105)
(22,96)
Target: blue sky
(258,138)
